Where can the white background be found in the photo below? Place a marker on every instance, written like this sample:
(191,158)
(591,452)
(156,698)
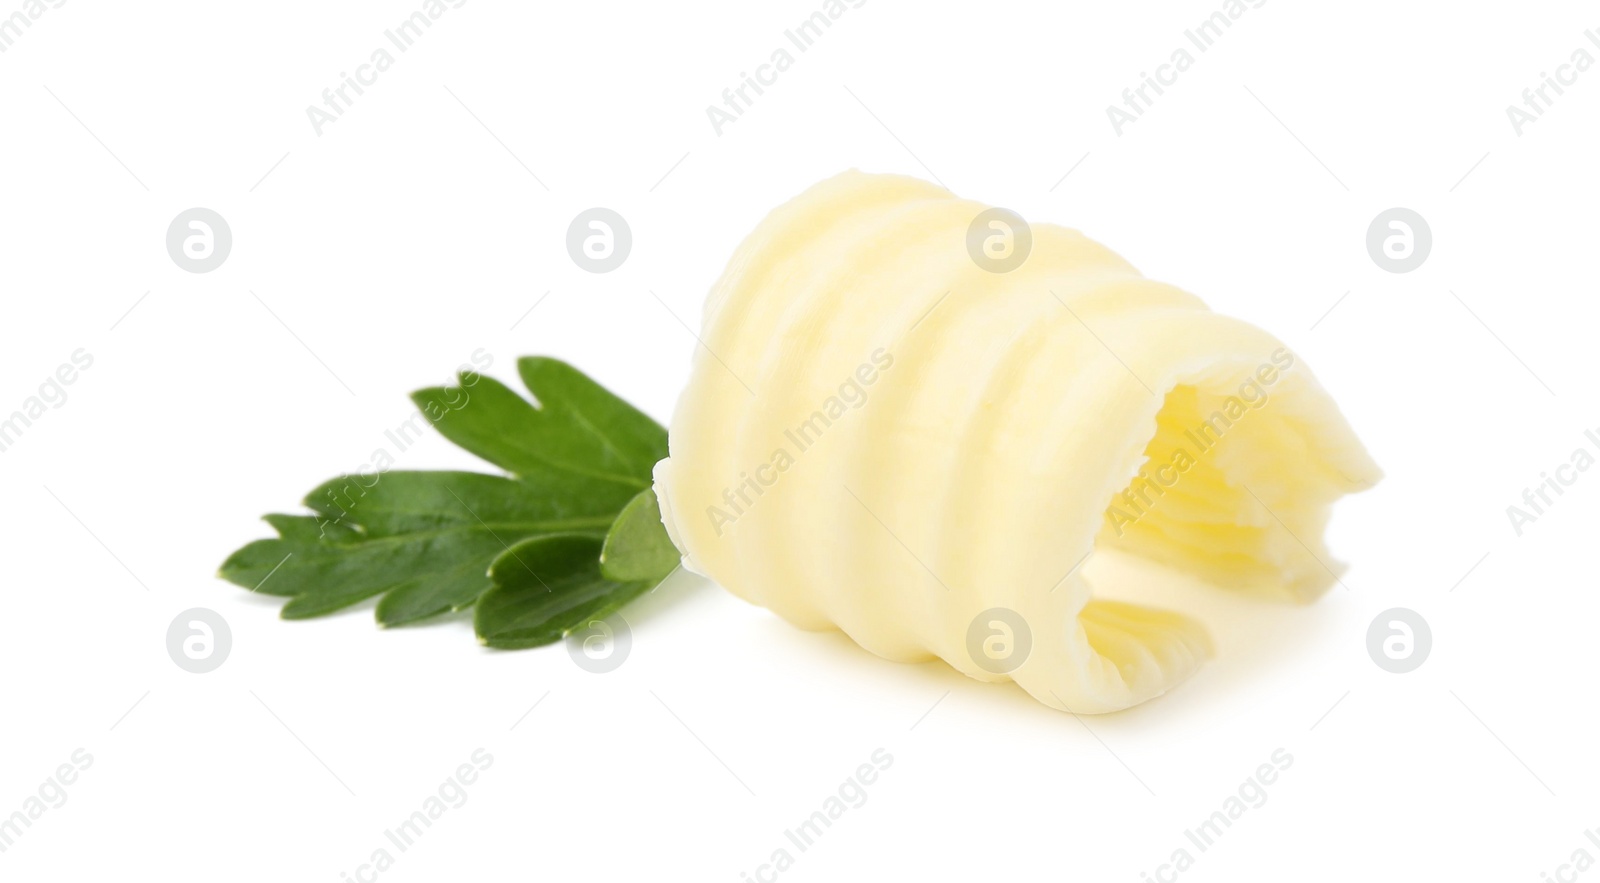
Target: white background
(426,221)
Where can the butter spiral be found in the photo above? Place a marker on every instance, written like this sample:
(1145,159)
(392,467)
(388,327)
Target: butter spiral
(881,435)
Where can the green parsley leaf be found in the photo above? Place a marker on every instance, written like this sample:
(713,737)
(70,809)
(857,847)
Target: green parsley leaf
(581,428)
(525,547)
(545,587)
(637,548)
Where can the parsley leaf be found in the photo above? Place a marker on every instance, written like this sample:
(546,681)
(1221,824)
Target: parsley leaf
(525,547)
(637,547)
(581,428)
(545,587)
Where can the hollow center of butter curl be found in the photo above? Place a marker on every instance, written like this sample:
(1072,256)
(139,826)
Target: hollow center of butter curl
(1225,493)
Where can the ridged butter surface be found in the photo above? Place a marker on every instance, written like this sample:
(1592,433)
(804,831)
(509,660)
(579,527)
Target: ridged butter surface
(880,436)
